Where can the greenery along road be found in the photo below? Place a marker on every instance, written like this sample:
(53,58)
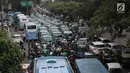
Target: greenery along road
(11,55)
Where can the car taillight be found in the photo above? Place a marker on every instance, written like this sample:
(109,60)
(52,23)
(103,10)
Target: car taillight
(124,60)
(94,48)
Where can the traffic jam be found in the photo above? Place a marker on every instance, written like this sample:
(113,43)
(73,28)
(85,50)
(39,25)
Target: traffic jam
(50,40)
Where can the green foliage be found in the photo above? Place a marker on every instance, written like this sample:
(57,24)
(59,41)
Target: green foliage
(3,33)
(92,32)
(10,54)
(64,7)
(107,16)
(88,8)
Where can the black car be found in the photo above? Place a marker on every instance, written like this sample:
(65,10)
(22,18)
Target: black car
(108,56)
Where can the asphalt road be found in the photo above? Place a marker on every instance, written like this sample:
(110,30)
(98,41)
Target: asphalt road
(12,32)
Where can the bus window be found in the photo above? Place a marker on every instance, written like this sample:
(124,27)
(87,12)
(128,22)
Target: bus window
(23,19)
(31,27)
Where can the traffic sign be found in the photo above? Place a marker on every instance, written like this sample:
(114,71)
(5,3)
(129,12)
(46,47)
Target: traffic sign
(23,3)
(30,3)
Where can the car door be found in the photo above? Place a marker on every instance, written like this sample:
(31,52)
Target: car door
(91,46)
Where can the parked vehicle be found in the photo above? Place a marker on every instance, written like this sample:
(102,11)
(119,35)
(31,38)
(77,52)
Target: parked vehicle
(57,35)
(31,31)
(17,38)
(108,55)
(104,40)
(52,64)
(96,46)
(123,57)
(114,67)
(89,65)
(46,38)
(68,35)
(21,21)
(115,47)
(82,42)
(10,13)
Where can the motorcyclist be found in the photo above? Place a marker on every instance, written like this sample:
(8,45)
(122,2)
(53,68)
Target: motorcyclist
(21,44)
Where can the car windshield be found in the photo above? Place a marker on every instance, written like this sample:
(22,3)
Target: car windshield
(31,27)
(67,34)
(126,55)
(80,42)
(108,53)
(99,46)
(118,70)
(48,38)
(106,41)
(57,34)
(118,47)
(17,36)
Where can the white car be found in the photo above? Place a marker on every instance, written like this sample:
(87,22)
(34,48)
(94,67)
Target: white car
(114,67)
(17,38)
(47,38)
(10,13)
(96,46)
(82,42)
(104,40)
(114,46)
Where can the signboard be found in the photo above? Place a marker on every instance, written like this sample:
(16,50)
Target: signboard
(120,7)
(25,3)
(30,3)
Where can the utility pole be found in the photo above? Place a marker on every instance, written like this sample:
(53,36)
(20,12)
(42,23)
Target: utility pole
(27,7)
(1,14)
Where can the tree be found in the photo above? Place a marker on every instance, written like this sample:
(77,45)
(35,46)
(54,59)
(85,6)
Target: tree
(10,54)
(88,8)
(69,9)
(106,16)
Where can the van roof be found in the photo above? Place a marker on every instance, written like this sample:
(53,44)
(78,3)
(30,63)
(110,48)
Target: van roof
(98,43)
(114,65)
(30,23)
(67,32)
(90,65)
(52,64)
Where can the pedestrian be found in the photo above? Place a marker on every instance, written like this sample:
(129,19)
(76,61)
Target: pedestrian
(44,46)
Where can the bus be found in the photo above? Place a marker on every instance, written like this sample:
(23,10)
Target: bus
(31,31)
(52,64)
(22,20)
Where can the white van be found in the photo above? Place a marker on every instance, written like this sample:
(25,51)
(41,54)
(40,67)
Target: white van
(114,67)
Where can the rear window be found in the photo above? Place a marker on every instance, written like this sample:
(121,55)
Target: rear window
(119,47)
(116,70)
(24,19)
(31,27)
(106,41)
(99,46)
(126,55)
